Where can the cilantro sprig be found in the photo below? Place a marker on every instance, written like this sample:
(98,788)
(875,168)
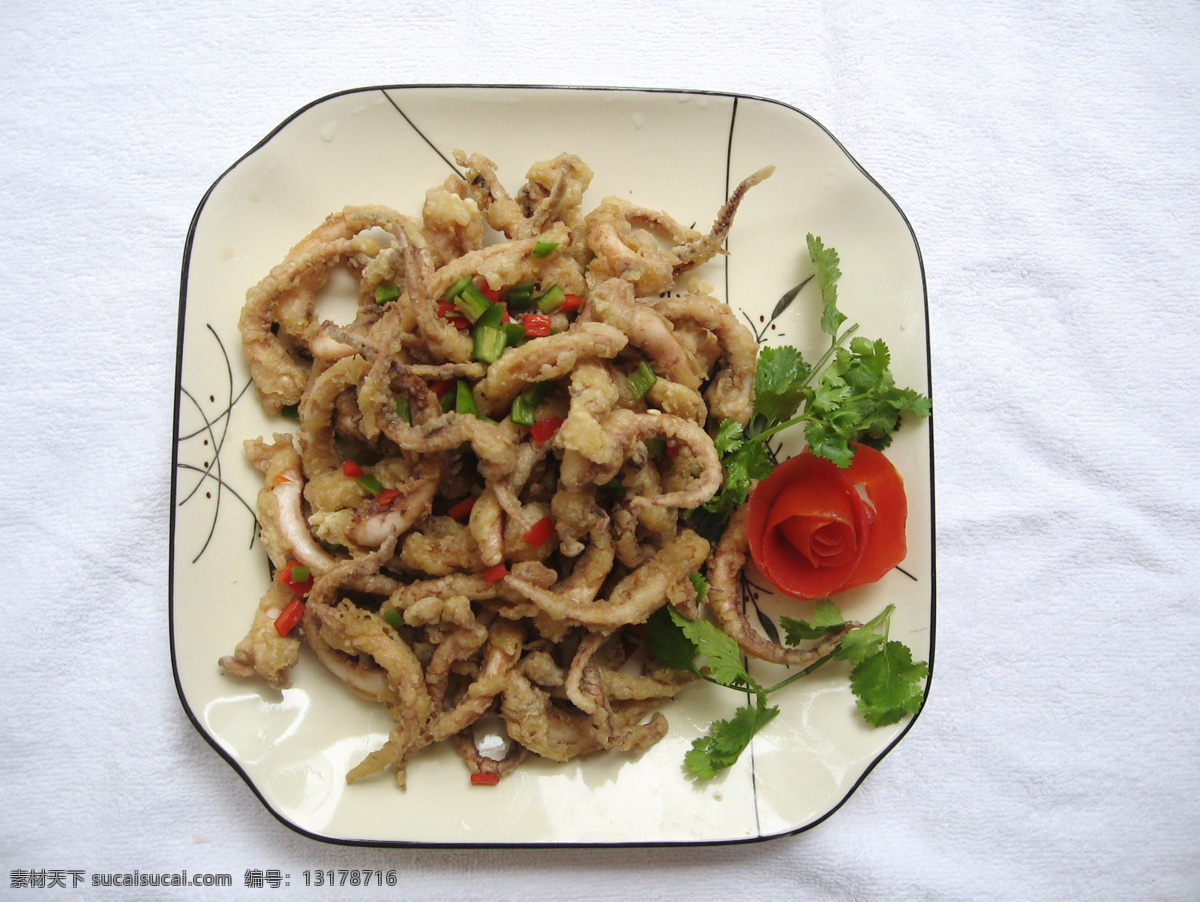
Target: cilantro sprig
(847,396)
(886,681)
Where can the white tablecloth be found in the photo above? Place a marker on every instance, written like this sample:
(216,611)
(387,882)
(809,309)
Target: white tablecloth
(1046,156)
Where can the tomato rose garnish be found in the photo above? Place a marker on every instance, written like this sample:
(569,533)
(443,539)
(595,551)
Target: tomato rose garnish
(816,529)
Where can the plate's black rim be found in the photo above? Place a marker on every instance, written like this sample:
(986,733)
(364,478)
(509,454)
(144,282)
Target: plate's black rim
(403,844)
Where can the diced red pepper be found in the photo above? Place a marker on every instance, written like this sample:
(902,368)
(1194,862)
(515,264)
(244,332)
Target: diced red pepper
(447,310)
(672,449)
(292,614)
(443,386)
(492,294)
(482,779)
(543,430)
(495,574)
(387,496)
(351,469)
(296,577)
(570,303)
(540,531)
(461,509)
(537,325)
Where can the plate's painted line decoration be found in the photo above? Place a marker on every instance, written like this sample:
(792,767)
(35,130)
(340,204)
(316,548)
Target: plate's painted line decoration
(212,432)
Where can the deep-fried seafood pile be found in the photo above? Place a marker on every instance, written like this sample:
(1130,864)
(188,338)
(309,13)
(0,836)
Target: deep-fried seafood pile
(490,484)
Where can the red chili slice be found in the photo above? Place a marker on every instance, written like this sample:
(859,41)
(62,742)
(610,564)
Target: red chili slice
(495,574)
(351,469)
(482,779)
(301,583)
(543,430)
(537,325)
(540,531)
(292,614)
(387,496)
(462,508)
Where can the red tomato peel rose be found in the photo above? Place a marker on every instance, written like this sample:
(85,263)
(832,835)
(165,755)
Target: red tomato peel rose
(816,529)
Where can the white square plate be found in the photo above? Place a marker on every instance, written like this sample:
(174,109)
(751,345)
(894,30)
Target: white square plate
(677,151)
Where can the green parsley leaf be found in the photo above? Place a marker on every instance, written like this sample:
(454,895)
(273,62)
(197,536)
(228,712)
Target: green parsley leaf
(729,437)
(700,584)
(826,619)
(780,383)
(889,684)
(745,462)
(859,645)
(724,655)
(725,741)
(825,261)
(667,643)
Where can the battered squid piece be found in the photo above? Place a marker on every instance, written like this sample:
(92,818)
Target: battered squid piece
(263,652)
(504,642)
(553,192)
(483,186)
(452,223)
(282,525)
(632,427)
(731,392)
(625,240)
(650,332)
(536,723)
(486,526)
(318,410)
(725,601)
(576,513)
(278,319)
(552,357)
(633,599)
(678,400)
(562,180)
(704,249)
(585,691)
(442,547)
(376,524)
(511,262)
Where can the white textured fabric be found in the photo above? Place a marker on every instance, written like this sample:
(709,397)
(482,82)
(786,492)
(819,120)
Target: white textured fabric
(1047,159)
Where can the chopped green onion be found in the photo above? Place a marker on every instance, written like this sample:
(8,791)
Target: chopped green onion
(488,343)
(614,487)
(394,618)
(552,298)
(515,333)
(291,411)
(447,401)
(370,483)
(543,248)
(464,401)
(525,406)
(493,316)
(473,303)
(520,297)
(457,288)
(299,573)
(642,380)
(656,447)
(404,410)
(386,291)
